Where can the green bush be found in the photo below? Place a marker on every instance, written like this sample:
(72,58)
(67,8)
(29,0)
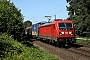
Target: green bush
(11,49)
(11,19)
(8,46)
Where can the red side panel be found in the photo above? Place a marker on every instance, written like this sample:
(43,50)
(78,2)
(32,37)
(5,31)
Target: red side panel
(53,31)
(45,31)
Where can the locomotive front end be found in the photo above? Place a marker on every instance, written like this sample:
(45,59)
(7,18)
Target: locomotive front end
(66,31)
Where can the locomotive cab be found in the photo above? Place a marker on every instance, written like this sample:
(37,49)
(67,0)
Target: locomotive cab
(66,31)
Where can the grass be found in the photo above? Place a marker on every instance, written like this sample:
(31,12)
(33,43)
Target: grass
(11,49)
(87,41)
(83,41)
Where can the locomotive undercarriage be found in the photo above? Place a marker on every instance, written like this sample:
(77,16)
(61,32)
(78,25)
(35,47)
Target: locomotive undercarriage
(58,41)
(65,41)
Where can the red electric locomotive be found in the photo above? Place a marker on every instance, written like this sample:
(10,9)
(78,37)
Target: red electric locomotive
(60,31)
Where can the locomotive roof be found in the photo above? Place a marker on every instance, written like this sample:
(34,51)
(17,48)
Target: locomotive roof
(42,22)
(62,21)
(46,24)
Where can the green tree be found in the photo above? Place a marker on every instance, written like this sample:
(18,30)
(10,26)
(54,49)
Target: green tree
(27,24)
(79,12)
(11,19)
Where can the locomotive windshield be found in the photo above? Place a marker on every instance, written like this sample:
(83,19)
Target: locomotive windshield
(65,26)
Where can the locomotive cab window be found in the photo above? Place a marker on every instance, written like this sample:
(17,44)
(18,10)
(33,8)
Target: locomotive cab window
(65,26)
(69,25)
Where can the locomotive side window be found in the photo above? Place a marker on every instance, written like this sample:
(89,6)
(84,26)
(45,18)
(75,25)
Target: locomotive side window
(65,26)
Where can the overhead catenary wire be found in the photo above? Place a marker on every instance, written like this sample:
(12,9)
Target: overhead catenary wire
(53,14)
(48,12)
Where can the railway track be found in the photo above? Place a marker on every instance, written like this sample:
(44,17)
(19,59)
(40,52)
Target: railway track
(84,45)
(79,52)
(81,49)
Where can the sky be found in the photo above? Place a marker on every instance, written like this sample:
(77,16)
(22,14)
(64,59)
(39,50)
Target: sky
(36,10)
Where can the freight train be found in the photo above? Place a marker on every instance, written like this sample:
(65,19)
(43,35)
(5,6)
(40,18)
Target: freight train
(59,32)
(27,32)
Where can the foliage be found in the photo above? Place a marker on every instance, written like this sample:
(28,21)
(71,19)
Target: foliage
(8,46)
(11,49)
(11,20)
(79,12)
(27,24)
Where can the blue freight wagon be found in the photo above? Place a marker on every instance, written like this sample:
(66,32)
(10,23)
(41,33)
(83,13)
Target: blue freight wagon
(35,28)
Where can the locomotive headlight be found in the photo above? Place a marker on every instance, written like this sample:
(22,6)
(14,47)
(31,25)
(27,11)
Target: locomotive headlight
(61,33)
(71,33)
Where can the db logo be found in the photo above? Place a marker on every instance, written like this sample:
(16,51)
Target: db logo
(66,32)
